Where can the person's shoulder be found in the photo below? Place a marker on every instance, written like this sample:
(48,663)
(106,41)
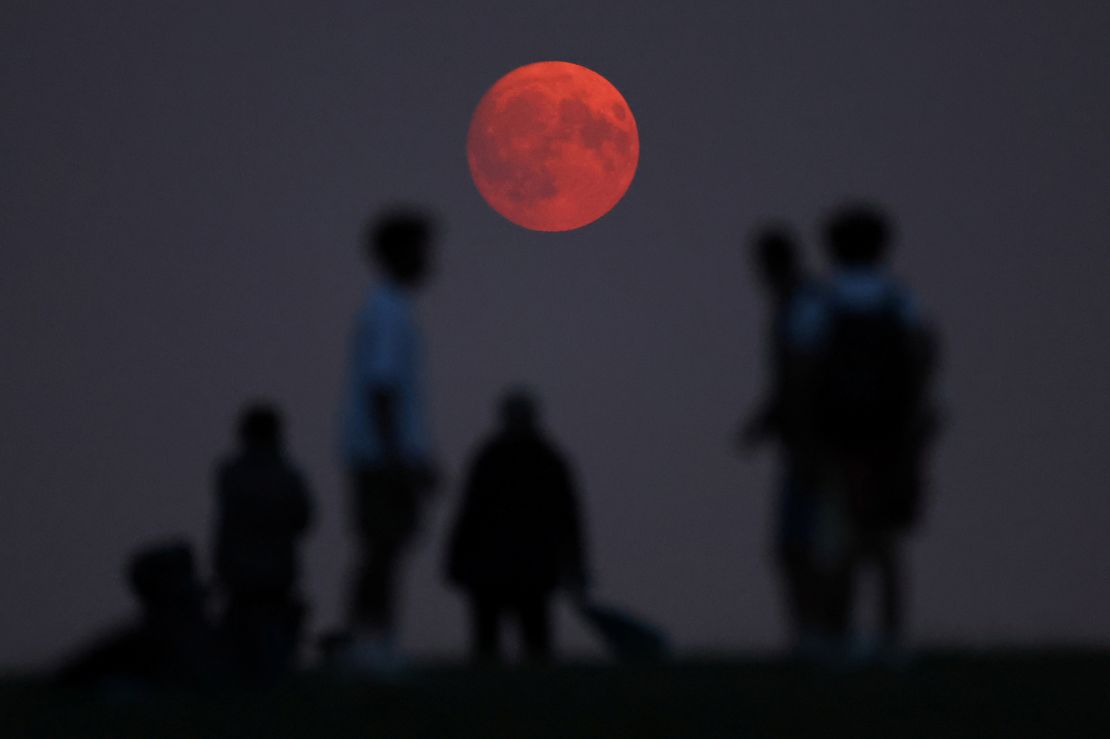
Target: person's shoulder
(288,466)
(904,301)
(390,304)
(811,296)
(294,480)
(487,450)
(870,290)
(228,463)
(810,288)
(859,284)
(299,476)
(807,312)
(550,447)
(229,473)
(366,309)
(379,306)
(552,455)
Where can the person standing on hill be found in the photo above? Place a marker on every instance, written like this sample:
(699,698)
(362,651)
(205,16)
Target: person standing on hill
(777,265)
(517,537)
(862,360)
(263,511)
(386,445)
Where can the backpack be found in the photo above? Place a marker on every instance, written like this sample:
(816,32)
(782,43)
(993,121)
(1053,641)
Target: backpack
(866,394)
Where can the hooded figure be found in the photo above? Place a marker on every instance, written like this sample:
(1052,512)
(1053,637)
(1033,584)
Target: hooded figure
(517,537)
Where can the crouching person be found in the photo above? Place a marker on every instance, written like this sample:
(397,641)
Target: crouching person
(170,645)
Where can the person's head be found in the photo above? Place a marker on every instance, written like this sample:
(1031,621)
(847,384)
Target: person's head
(519,410)
(399,241)
(858,235)
(163,577)
(775,256)
(260,427)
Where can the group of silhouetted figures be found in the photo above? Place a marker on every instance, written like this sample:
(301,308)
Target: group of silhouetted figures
(849,408)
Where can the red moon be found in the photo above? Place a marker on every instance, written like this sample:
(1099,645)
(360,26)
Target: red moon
(552,146)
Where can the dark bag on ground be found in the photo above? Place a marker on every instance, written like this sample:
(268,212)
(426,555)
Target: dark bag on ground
(628,638)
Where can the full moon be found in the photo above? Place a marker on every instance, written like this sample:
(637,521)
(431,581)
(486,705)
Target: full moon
(552,146)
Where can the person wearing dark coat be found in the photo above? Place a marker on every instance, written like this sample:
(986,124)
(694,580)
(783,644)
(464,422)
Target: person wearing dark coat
(517,538)
(263,511)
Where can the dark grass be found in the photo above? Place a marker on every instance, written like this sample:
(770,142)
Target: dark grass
(1059,693)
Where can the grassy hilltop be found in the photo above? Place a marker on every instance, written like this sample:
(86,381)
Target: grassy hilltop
(1060,694)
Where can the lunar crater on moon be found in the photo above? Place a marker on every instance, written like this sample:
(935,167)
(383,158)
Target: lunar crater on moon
(552,146)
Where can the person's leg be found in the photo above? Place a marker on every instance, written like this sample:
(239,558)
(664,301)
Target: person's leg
(485,618)
(370,596)
(534,616)
(386,515)
(891,590)
(794,586)
(362,579)
(839,595)
(788,538)
(235,628)
(287,618)
(833,568)
(800,568)
(808,594)
(373,609)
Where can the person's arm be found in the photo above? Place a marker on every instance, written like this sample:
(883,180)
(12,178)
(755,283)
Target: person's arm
(383,409)
(304,511)
(381,340)
(806,328)
(925,357)
(764,421)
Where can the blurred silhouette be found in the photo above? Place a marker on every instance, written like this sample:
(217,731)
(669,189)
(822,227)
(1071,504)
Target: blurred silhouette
(776,262)
(385,440)
(517,537)
(263,511)
(172,644)
(861,361)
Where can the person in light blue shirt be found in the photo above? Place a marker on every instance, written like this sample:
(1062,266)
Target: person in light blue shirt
(385,355)
(861,359)
(385,442)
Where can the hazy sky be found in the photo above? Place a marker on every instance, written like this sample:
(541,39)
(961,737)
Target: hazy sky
(182,188)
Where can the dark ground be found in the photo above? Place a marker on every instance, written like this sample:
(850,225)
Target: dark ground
(1059,693)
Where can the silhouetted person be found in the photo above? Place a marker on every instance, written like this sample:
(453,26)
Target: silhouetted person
(863,358)
(777,265)
(517,536)
(263,510)
(385,438)
(172,644)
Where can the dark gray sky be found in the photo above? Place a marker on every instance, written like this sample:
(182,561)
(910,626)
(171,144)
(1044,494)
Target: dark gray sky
(181,192)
